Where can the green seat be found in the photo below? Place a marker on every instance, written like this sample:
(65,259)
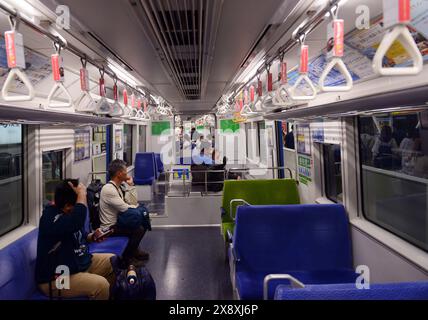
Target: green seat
(256,192)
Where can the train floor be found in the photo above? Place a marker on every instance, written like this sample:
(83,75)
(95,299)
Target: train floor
(188,263)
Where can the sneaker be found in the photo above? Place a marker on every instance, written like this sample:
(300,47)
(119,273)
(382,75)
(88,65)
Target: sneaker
(142,255)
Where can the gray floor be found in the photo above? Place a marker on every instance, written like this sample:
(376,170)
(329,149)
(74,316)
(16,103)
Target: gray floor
(188,263)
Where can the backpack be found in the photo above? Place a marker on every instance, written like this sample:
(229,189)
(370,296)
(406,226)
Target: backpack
(143,289)
(93,193)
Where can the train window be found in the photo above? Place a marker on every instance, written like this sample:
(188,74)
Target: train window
(394,173)
(52,163)
(11,186)
(288,134)
(127,143)
(333,172)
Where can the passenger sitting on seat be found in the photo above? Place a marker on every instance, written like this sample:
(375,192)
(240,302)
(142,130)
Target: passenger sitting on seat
(116,197)
(62,242)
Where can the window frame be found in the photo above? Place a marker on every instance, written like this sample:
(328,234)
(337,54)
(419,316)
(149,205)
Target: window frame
(131,128)
(362,213)
(324,171)
(63,167)
(23,173)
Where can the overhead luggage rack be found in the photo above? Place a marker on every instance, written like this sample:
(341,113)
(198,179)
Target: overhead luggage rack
(34,116)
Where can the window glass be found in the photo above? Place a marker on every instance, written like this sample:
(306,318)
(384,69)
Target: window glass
(127,144)
(394,173)
(52,174)
(333,172)
(11,206)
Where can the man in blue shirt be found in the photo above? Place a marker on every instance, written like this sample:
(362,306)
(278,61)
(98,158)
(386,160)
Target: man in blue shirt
(63,242)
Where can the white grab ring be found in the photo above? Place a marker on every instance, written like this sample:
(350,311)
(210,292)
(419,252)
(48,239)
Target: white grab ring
(10,78)
(399,31)
(103,107)
(59,86)
(292,90)
(279,100)
(126,112)
(343,70)
(116,110)
(91,106)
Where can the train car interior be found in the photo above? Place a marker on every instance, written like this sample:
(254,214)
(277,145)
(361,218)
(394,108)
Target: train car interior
(215,149)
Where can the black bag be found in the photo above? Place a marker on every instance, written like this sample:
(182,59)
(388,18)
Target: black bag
(143,289)
(93,193)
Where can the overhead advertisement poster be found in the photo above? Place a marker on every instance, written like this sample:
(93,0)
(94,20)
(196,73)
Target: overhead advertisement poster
(160,128)
(361,46)
(82,145)
(229,126)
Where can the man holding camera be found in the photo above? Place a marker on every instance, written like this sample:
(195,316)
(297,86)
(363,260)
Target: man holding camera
(63,242)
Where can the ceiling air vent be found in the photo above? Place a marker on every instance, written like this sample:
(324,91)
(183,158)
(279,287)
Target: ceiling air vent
(184,33)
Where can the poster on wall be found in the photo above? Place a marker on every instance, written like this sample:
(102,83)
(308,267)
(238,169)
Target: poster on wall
(82,145)
(304,139)
(117,140)
(304,167)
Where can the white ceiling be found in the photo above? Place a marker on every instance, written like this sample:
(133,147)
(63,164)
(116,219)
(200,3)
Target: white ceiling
(116,23)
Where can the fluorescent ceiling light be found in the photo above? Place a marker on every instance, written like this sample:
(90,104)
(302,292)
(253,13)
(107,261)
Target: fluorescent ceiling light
(122,74)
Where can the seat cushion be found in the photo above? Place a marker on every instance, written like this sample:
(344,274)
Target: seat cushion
(144,182)
(387,291)
(115,245)
(250,284)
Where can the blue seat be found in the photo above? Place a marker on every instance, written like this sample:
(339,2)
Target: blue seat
(145,169)
(309,242)
(17,269)
(159,163)
(18,263)
(115,245)
(387,291)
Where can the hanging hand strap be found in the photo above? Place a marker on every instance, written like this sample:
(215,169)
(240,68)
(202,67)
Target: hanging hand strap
(397,15)
(304,68)
(16,62)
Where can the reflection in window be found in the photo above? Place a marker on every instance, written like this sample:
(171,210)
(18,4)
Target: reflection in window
(394,158)
(127,144)
(52,174)
(142,138)
(11,206)
(333,172)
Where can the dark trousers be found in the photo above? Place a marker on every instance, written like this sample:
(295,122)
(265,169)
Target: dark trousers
(135,236)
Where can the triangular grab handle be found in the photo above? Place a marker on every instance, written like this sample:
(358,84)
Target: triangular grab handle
(58,86)
(399,31)
(10,79)
(292,90)
(278,99)
(126,112)
(336,62)
(86,107)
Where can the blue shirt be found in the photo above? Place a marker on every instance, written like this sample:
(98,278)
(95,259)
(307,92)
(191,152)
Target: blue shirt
(62,241)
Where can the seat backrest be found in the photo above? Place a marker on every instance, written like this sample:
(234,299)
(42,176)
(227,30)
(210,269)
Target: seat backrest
(145,167)
(17,268)
(293,238)
(159,163)
(385,291)
(259,192)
